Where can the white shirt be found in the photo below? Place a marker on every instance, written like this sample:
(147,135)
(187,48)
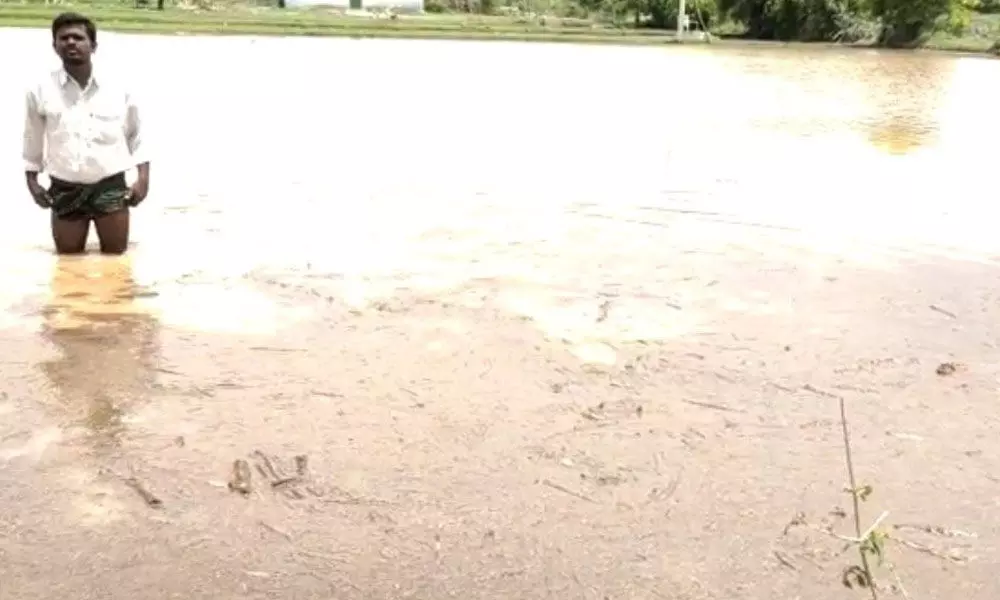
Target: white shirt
(81,135)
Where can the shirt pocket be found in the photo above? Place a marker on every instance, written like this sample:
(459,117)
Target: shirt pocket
(107,123)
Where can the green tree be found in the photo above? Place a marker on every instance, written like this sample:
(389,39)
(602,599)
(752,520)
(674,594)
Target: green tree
(803,20)
(895,23)
(908,23)
(661,14)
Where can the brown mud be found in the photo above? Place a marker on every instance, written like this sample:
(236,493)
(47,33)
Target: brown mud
(453,450)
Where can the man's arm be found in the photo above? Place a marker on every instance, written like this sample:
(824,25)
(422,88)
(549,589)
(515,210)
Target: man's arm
(33,148)
(133,136)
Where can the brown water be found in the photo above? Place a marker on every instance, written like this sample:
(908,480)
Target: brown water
(548,322)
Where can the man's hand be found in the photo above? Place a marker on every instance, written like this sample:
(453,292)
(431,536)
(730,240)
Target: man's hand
(39,194)
(137,193)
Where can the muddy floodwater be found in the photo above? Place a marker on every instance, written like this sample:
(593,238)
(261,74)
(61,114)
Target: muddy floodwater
(511,321)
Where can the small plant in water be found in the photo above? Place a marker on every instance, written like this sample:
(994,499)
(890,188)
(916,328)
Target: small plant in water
(870,542)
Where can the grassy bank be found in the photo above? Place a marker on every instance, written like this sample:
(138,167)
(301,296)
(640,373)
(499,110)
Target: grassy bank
(982,36)
(271,21)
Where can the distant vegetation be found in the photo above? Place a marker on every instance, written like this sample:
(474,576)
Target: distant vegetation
(892,23)
(972,25)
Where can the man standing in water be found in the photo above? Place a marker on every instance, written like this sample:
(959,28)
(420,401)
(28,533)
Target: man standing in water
(83,129)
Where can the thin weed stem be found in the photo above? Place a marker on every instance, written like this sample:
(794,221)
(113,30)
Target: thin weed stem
(856,501)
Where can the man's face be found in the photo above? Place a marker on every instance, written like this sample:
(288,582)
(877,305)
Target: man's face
(73,45)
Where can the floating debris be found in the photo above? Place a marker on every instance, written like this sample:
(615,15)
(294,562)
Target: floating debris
(148,496)
(240,479)
(948,368)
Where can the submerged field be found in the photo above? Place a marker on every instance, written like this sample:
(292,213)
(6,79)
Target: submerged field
(543,327)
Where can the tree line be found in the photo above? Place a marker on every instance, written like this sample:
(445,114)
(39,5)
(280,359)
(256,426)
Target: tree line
(893,23)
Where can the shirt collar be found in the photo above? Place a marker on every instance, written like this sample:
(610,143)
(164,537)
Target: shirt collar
(64,78)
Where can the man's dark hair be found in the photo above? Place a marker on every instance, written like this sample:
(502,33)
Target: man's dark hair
(70,19)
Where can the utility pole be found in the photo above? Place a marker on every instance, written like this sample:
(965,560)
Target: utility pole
(681,20)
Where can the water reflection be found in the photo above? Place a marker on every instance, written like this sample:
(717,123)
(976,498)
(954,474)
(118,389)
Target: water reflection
(106,339)
(905,96)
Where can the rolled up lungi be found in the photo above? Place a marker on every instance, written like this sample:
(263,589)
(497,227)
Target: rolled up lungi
(80,201)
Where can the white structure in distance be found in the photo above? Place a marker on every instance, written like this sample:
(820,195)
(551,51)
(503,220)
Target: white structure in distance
(402,6)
